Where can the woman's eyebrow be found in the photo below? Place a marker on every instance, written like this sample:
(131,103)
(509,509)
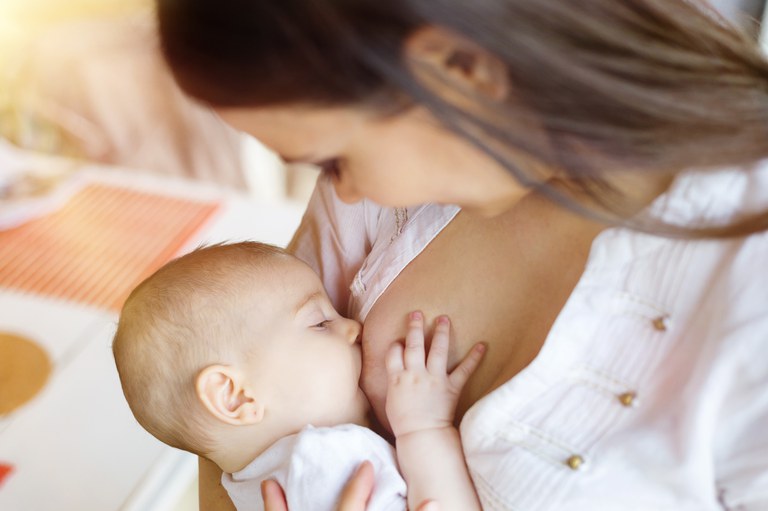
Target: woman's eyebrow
(306,300)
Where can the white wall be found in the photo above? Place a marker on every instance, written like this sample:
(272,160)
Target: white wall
(741,11)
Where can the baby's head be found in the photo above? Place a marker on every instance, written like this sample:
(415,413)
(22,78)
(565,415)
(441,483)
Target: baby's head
(236,343)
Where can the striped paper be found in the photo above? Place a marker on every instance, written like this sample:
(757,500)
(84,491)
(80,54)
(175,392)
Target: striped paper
(97,247)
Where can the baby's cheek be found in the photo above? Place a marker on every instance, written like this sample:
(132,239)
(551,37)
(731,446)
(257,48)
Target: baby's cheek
(373,381)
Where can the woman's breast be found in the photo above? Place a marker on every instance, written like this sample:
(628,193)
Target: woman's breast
(502,281)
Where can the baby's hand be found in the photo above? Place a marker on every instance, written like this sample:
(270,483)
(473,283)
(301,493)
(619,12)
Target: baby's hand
(423,395)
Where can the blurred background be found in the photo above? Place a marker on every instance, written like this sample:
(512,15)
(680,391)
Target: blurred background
(83,80)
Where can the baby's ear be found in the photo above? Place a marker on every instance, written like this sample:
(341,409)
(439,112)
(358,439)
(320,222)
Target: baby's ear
(221,390)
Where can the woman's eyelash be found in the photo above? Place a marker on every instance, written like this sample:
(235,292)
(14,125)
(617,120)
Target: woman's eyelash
(322,324)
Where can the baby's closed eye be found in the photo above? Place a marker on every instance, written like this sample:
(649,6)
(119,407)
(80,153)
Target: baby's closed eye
(322,324)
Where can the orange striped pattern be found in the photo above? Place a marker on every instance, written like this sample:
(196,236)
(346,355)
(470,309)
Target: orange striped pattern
(102,243)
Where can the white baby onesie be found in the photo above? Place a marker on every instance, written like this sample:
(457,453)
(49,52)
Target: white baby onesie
(313,467)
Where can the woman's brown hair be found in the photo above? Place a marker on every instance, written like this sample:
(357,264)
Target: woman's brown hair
(648,85)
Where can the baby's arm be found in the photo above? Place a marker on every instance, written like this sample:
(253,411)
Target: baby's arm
(421,404)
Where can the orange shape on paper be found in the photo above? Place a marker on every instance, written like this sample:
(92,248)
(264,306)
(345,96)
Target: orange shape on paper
(5,471)
(97,247)
(24,369)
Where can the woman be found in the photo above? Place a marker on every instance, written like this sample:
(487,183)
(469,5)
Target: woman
(622,368)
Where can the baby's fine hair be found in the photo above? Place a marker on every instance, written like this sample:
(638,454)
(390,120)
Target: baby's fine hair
(181,319)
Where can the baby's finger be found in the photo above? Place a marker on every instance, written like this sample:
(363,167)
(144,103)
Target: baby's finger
(394,361)
(437,361)
(467,366)
(414,342)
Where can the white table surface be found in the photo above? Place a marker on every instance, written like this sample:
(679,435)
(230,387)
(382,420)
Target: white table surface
(76,446)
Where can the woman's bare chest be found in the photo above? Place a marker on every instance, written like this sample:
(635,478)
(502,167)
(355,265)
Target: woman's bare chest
(501,282)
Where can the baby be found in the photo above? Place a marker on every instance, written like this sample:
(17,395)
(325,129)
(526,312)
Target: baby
(235,353)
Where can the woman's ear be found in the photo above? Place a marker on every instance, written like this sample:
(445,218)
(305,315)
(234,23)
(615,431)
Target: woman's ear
(222,391)
(439,57)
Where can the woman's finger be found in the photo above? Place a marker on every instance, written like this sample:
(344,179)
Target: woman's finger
(414,342)
(437,361)
(467,366)
(394,360)
(358,490)
(274,498)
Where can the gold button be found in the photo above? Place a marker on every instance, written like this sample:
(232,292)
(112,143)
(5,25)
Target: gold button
(660,323)
(575,462)
(628,399)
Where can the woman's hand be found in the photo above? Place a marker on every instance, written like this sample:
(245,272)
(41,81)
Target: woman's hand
(354,497)
(274,498)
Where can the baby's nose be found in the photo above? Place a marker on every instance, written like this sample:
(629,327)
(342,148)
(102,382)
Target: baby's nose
(353,331)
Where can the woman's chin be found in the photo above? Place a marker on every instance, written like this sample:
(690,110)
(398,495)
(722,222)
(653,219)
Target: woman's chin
(496,206)
(489,210)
